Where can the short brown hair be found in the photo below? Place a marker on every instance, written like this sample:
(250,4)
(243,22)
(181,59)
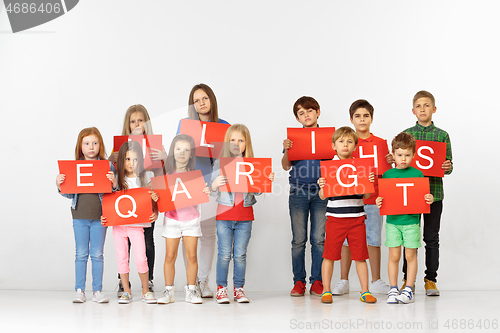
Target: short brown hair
(404,141)
(423,93)
(307,103)
(86,132)
(345,131)
(360,103)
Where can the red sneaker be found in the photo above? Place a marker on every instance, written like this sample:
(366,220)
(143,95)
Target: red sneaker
(299,289)
(317,288)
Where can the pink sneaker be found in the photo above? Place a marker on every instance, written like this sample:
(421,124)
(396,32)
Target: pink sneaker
(222,295)
(239,296)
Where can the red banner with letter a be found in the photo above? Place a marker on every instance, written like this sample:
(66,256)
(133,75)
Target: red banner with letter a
(376,151)
(179,190)
(208,136)
(247,175)
(347,177)
(429,158)
(127,207)
(310,143)
(403,195)
(85,176)
(147,142)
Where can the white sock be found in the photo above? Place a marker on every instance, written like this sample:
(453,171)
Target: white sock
(191,286)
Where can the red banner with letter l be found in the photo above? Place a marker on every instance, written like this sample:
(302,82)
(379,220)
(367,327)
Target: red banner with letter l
(404,195)
(247,175)
(347,177)
(310,143)
(375,151)
(179,190)
(127,207)
(147,142)
(429,158)
(85,176)
(208,136)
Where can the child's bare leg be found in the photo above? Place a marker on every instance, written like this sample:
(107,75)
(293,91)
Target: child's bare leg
(362,270)
(412,266)
(190,246)
(171,247)
(345,263)
(374,254)
(393,265)
(144,281)
(326,274)
(125,282)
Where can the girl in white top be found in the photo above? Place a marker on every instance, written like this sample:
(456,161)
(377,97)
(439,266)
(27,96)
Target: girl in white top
(131,174)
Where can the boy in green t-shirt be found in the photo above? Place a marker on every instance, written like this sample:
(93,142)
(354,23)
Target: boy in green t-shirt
(403,229)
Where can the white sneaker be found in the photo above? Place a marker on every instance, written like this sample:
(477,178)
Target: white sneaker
(406,296)
(79,297)
(125,298)
(99,298)
(193,296)
(391,298)
(167,296)
(379,287)
(341,288)
(149,298)
(239,296)
(204,289)
(222,295)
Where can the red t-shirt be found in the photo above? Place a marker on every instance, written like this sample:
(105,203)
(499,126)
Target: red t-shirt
(373,196)
(236,212)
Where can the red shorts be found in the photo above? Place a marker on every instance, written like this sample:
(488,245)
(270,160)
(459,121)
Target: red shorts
(337,229)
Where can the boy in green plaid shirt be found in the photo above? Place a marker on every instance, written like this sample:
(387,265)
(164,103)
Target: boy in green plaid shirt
(423,108)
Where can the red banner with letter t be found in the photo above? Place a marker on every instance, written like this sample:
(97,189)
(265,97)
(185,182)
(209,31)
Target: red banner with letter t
(403,195)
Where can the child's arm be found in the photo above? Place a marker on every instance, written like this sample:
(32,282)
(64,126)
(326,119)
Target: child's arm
(103,221)
(321,183)
(216,179)
(378,202)
(429,199)
(285,163)
(389,158)
(206,190)
(447,166)
(112,179)
(59,180)
(158,155)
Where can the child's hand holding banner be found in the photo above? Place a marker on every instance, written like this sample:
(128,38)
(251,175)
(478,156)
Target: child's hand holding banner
(347,177)
(310,143)
(246,175)
(404,195)
(208,136)
(85,176)
(127,207)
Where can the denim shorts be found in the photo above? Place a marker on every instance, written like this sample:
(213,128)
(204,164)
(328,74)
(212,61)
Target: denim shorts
(407,235)
(373,225)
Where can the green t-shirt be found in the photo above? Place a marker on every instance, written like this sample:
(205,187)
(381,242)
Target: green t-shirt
(410,172)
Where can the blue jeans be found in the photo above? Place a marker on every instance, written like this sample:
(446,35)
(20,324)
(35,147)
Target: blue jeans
(232,240)
(89,239)
(303,202)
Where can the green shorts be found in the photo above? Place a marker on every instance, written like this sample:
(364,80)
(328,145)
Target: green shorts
(407,235)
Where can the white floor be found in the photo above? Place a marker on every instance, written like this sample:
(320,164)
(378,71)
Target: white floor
(44,311)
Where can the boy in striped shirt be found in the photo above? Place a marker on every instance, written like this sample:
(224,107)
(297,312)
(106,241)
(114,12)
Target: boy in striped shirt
(345,219)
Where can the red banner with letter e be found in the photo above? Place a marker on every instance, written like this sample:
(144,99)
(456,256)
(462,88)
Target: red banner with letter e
(347,177)
(310,143)
(147,142)
(85,176)
(127,207)
(429,158)
(179,190)
(208,136)
(247,175)
(377,152)
(403,195)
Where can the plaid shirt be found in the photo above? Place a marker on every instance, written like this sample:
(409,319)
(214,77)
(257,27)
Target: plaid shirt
(432,133)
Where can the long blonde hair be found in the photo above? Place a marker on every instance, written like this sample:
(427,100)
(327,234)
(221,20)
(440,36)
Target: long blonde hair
(246,133)
(147,121)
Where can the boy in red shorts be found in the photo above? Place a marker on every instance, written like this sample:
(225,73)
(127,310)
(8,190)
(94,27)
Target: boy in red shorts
(345,219)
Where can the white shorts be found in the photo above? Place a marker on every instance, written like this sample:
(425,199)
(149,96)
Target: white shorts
(177,229)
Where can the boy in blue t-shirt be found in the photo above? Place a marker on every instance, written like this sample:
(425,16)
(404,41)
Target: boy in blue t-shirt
(304,201)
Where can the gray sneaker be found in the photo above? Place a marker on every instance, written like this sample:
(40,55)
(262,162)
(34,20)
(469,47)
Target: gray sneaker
(79,297)
(193,296)
(149,298)
(99,297)
(167,296)
(204,289)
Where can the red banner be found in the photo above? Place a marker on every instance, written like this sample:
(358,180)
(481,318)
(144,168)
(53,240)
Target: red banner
(376,151)
(429,158)
(247,175)
(404,195)
(310,143)
(347,177)
(147,142)
(127,207)
(179,190)
(85,176)
(208,136)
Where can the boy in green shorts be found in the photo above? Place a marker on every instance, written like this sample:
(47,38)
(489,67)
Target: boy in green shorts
(403,229)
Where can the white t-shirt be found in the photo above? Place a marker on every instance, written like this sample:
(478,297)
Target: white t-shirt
(135,182)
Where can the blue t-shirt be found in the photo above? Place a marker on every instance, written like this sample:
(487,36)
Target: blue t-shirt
(204,164)
(305,172)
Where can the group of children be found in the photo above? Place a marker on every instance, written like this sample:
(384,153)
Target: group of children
(349,227)
(341,228)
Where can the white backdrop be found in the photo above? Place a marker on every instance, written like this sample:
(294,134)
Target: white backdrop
(88,66)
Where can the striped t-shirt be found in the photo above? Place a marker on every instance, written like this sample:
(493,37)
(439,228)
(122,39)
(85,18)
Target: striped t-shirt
(345,206)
